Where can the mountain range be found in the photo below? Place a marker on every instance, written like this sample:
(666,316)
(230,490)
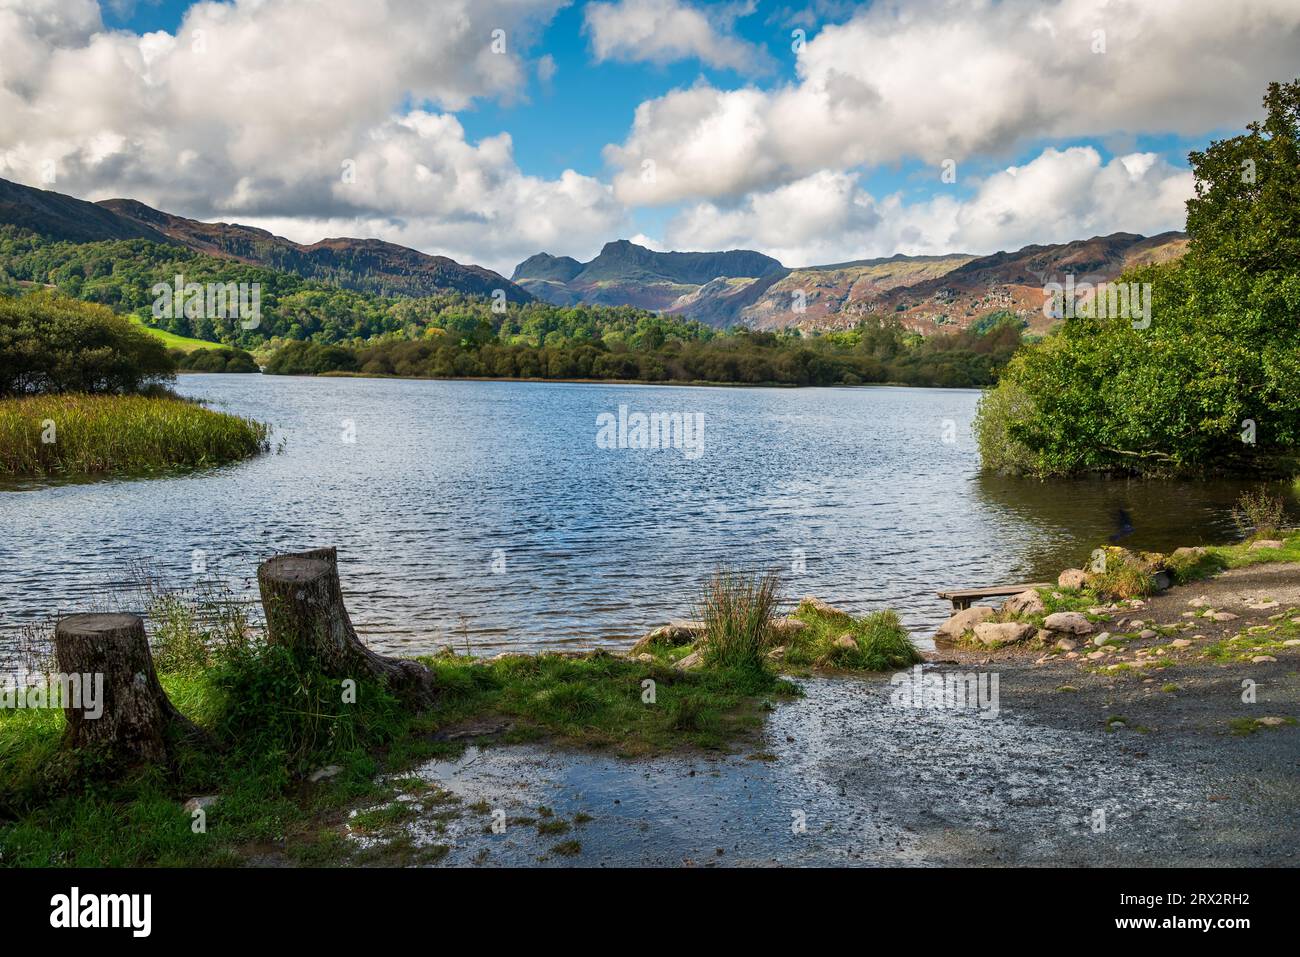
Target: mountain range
(739,286)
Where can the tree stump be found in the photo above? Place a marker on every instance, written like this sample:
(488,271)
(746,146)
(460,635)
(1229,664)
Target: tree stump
(304,609)
(137,715)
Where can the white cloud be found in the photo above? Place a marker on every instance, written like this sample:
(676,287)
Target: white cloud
(1059,196)
(251,110)
(664,31)
(933,79)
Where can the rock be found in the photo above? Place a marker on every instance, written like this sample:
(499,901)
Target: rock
(995,634)
(1147,634)
(846,641)
(1070,622)
(671,635)
(1266,543)
(1098,611)
(810,603)
(1180,643)
(1067,644)
(1162,581)
(692,661)
(645,658)
(788,627)
(1094,655)
(1101,639)
(202,802)
(1270,722)
(777,653)
(963,621)
(1263,605)
(1137,623)
(1223,616)
(1026,603)
(1195,551)
(321,774)
(1072,578)
(1260,659)
(1291,642)
(1200,601)
(1042,636)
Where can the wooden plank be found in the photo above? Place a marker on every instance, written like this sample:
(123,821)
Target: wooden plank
(962,597)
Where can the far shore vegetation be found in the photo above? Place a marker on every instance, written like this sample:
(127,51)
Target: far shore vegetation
(84,391)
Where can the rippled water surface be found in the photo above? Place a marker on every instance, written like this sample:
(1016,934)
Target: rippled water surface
(852,493)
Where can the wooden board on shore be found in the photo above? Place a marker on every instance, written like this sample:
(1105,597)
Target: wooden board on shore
(962,597)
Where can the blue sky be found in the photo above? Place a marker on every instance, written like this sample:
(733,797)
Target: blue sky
(832,152)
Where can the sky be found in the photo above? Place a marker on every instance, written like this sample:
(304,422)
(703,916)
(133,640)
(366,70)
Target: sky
(816,131)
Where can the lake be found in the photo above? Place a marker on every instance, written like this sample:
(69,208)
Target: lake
(486,514)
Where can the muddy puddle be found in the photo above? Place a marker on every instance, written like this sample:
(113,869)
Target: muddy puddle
(840,777)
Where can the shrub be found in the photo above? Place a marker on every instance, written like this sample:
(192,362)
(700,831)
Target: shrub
(1258,514)
(52,344)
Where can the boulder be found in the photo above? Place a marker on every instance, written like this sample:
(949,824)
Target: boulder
(1072,578)
(1026,603)
(1069,622)
(692,661)
(998,633)
(671,635)
(963,621)
(810,603)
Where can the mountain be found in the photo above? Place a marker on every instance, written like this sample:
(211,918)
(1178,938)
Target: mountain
(923,293)
(627,274)
(370,265)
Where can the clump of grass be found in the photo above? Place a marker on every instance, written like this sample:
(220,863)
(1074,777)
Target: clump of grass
(1258,514)
(879,641)
(93,434)
(737,612)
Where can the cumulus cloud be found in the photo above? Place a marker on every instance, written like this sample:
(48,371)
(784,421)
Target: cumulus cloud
(663,31)
(933,79)
(294,111)
(1059,196)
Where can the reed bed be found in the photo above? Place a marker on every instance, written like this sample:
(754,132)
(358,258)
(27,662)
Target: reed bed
(74,434)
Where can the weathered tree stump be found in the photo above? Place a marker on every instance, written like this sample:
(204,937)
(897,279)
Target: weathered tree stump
(304,609)
(136,716)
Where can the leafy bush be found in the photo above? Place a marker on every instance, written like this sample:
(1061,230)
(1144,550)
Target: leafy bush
(213,360)
(51,344)
(1209,386)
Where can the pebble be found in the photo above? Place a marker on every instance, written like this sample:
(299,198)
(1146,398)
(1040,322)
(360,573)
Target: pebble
(1223,616)
(1180,643)
(1260,659)
(1146,633)
(1101,639)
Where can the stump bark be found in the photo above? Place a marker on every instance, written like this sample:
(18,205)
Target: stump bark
(138,719)
(304,607)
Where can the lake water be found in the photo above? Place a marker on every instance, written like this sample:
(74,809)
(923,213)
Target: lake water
(484,514)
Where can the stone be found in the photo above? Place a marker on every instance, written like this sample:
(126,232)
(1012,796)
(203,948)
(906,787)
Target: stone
(1264,605)
(1200,601)
(1101,639)
(1194,551)
(846,641)
(1260,659)
(202,802)
(1137,623)
(321,774)
(811,603)
(1094,655)
(1067,644)
(1070,622)
(1072,578)
(1147,634)
(1291,642)
(777,653)
(963,621)
(1223,616)
(1180,643)
(692,661)
(1026,603)
(1270,722)
(788,627)
(645,658)
(1266,543)
(671,635)
(996,634)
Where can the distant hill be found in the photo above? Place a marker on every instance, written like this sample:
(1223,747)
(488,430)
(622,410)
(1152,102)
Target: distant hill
(924,293)
(627,274)
(370,265)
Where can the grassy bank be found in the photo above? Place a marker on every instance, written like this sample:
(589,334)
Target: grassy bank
(85,435)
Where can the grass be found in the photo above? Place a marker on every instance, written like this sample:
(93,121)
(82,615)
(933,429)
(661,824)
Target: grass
(87,435)
(879,642)
(173,341)
(274,720)
(737,611)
